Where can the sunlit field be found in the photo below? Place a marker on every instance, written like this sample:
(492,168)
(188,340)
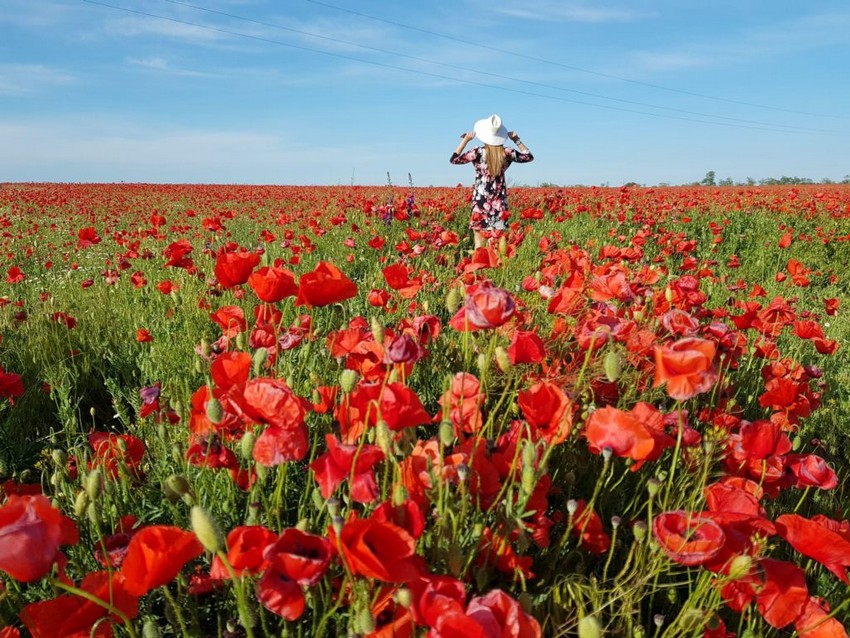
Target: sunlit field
(317,411)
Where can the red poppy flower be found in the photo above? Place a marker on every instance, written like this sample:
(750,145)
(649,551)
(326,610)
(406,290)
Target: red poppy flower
(814,621)
(87,237)
(114,451)
(143,336)
(231,319)
(232,269)
(825,540)
(31,531)
(398,278)
(230,369)
(341,462)
(11,386)
(323,286)
(547,407)
(620,431)
(688,538)
(75,617)
(811,471)
(281,445)
(408,515)
(155,555)
(378,549)
(245,547)
(686,366)
(271,401)
(15,275)
(272,284)
(280,594)
(587,526)
(500,615)
(463,401)
(301,556)
(10,632)
(486,307)
(784,594)
(526,347)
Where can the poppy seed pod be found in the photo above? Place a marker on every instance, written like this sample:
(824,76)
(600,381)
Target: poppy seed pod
(612,366)
(81,504)
(377,330)
(503,360)
(206,529)
(258,360)
(246,445)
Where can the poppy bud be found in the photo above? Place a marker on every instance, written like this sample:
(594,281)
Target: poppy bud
(150,630)
(529,454)
(400,495)
(365,622)
(214,411)
(477,530)
(503,246)
(56,478)
(528,479)
(205,348)
(333,507)
(652,486)
(668,294)
(383,438)
(453,300)
(612,366)
(347,380)
(81,504)
(92,514)
(337,523)
(503,360)
(60,457)
(639,529)
(258,360)
(246,445)
(404,597)
(199,366)
(796,442)
(740,566)
(178,484)
(483,364)
(377,330)
(240,341)
(589,627)
(446,432)
(94,484)
(638,315)
(692,620)
(206,529)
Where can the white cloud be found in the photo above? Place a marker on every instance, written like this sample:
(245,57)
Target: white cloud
(564,11)
(30,79)
(162,65)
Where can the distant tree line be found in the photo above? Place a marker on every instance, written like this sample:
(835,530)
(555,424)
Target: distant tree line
(710,180)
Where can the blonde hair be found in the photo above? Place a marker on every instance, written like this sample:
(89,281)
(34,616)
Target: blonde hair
(495,156)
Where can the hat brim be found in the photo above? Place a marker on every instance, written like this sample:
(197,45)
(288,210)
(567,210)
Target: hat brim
(486,134)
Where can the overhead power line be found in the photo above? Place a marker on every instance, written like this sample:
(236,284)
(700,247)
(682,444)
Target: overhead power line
(570,67)
(490,74)
(767,127)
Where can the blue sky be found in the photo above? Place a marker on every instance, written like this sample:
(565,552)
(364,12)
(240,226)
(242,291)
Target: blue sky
(344,91)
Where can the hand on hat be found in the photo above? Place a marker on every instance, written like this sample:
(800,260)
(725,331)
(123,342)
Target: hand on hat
(513,136)
(468,137)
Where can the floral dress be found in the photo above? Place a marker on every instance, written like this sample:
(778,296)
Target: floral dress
(490,194)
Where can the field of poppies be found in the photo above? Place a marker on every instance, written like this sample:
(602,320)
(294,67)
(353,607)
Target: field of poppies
(318,411)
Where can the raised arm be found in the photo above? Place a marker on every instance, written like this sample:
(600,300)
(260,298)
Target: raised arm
(465,139)
(524,154)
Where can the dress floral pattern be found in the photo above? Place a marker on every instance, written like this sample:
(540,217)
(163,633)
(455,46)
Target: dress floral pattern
(490,194)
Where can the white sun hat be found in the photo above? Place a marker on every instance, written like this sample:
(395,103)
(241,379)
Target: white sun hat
(491,131)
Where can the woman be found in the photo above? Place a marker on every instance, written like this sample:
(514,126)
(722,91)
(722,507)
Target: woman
(490,193)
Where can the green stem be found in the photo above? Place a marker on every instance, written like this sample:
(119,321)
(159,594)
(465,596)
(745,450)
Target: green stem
(178,614)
